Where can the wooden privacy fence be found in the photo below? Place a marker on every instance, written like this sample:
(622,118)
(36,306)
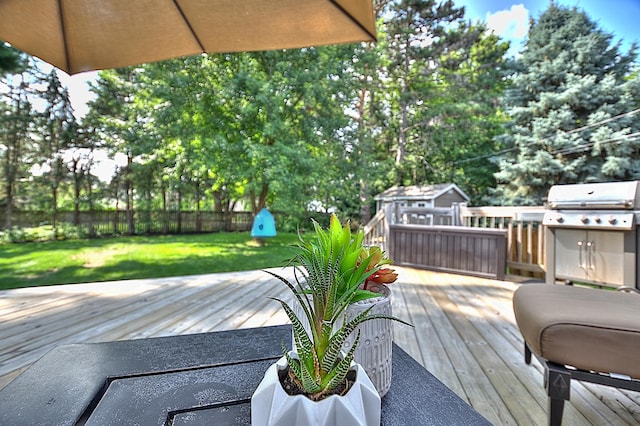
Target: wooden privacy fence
(455,249)
(116,222)
(485,241)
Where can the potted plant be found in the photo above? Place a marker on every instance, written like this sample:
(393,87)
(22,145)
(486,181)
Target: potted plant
(374,353)
(319,383)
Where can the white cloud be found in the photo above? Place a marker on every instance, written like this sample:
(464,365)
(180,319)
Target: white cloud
(512,24)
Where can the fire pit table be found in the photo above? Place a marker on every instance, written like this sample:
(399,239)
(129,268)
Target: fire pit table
(193,379)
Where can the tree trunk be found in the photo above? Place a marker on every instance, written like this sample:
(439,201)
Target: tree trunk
(129,194)
(8,211)
(92,231)
(54,216)
(165,220)
(365,207)
(365,210)
(198,213)
(76,199)
(260,201)
(115,216)
(179,212)
(402,137)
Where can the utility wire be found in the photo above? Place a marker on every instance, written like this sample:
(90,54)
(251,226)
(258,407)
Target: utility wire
(578,148)
(561,151)
(599,123)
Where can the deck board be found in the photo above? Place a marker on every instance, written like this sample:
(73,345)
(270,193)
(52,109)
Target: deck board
(464,332)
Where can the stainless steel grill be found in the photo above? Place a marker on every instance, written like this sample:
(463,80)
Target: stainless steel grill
(592,233)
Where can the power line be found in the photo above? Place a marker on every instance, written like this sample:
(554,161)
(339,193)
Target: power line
(599,123)
(583,147)
(561,151)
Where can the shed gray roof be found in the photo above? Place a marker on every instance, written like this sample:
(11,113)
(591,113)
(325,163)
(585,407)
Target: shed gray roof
(418,192)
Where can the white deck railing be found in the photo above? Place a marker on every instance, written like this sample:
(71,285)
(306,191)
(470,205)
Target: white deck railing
(374,231)
(525,234)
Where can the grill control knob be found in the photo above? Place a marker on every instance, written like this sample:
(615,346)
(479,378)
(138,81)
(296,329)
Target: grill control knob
(612,220)
(584,219)
(597,219)
(559,219)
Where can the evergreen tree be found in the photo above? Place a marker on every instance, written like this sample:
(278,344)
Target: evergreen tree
(417,34)
(121,125)
(17,146)
(11,60)
(58,131)
(368,158)
(573,107)
(462,115)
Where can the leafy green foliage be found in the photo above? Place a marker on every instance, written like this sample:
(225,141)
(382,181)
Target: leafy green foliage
(318,129)
(329,280)
(63,231)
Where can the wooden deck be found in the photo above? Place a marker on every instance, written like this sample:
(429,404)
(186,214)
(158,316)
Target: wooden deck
(464,333)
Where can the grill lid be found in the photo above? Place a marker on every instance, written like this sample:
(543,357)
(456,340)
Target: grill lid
(609,195)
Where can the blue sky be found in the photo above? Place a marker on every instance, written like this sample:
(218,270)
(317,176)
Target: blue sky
(510,18)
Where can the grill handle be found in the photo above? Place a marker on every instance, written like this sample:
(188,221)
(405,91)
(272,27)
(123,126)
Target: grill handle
(625,204)
(581,263)
(590,247)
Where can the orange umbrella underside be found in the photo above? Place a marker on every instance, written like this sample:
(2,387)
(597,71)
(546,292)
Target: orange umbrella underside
(83,35)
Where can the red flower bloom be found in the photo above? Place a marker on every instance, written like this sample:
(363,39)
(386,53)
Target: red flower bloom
(384,276)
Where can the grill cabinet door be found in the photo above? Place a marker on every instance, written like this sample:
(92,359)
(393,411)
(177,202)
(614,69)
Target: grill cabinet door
(571,252)
(591,256)
(605,257)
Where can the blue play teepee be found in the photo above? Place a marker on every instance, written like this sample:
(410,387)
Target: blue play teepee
(263,225)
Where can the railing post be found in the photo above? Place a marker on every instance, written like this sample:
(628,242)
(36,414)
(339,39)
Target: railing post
(387,221)
(457,214)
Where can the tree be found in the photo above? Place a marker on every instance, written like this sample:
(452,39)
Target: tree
(58,131)
(16,142)
(463,113)
(369,159)
(253,125)
(11,61)
(122,124)
(571,104)
(417,34)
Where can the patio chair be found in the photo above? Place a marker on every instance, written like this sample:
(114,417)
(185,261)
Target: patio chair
(579,333)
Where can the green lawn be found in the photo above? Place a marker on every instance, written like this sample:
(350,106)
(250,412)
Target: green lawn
(66,262)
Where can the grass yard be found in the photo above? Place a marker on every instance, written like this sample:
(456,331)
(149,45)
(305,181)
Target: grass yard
(78,261)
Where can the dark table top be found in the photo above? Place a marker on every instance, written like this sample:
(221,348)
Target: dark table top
(192,379)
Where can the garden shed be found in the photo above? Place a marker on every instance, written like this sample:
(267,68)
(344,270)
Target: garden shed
(428,196)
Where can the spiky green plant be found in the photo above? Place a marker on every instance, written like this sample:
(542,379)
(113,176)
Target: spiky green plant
(328,276)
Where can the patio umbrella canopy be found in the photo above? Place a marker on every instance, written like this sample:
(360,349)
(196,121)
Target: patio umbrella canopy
(83,35)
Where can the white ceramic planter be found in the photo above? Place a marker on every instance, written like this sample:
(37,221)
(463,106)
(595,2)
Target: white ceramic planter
(272,406)
(376,338)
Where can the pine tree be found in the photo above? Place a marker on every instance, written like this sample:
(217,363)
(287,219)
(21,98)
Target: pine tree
(58,128)
(11,60)
(573,106)
(462,115)
(417,35)
(17,145)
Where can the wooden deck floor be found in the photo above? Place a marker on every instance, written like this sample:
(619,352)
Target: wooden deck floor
(464,333)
